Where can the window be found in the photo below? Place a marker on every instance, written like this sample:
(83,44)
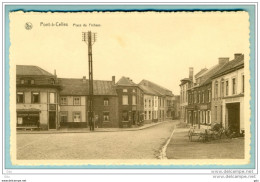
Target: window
(63,117)
(145,102)
(234,86)
(216,113)
(125,115)
(133,100)
(216,89)
(52,98)
(149,114)
(199,98)
(133,90)
(76,117)
(32,82)
(105,102)
(203,97)
(227,88)
(243,83)
(76,101)
(222,89)
(149,103)
(155,103)
(124,90)
(209,95)
(52,81)
(195,97)
(35,97)
(22,81)
(105,116)
(63,101)
(125,99)
(20,97)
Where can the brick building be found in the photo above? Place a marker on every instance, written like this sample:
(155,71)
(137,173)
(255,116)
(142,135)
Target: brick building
(199,96)
(74,103)
(37,95)
(130,103)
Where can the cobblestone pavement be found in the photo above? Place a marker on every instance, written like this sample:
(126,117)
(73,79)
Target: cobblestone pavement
(141,144)
(181,148)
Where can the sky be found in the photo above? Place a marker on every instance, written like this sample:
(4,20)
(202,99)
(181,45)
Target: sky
(155,46)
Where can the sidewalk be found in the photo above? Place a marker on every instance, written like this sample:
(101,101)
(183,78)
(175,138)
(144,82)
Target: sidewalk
(86,130)
(181,148)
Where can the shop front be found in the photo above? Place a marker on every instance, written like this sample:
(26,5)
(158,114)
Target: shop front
(28,118)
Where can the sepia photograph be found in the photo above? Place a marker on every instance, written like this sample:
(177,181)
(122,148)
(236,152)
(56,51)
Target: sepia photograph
(130,88)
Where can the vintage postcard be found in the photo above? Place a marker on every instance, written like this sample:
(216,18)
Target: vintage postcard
(130,88)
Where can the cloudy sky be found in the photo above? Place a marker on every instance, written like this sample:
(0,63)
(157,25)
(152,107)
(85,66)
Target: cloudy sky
(159,47)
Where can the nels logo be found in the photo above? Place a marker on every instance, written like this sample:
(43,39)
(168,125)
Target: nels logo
(28,26)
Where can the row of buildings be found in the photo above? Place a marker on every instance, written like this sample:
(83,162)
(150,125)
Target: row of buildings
(48,102)
(215,95)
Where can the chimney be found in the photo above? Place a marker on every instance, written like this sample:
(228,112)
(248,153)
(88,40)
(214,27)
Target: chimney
(238,55)
(55,74)
(222,61)
(84,79)
(114,79)
(191,73)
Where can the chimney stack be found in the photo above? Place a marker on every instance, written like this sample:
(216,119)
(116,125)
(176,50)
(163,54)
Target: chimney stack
(84,79)
(191,73)
(114,79)
(238,55)
(222,61)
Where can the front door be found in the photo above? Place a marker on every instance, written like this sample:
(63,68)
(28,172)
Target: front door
(134,119)
(52,120)
(234,116)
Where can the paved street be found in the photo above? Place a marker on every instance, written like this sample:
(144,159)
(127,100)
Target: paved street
(181,148)
(140,144)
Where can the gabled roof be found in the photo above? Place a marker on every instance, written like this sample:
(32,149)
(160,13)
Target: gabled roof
(157,88)
(72,86)
(29,70)
(230,66)
(125,81)
(201,72)
(206,77)
(148,90)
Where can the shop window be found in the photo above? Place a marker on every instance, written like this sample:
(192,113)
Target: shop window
(76,117)
(63,117)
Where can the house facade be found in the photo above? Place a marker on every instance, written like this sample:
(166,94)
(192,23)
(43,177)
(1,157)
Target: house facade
(74,103)
(228,95)
(130,103)
(199,96)
(186,83)
(37,98)
(164,96)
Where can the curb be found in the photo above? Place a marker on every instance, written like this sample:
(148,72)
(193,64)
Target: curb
(87,131)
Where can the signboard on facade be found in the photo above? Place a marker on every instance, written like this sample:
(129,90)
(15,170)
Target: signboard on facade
(203,107)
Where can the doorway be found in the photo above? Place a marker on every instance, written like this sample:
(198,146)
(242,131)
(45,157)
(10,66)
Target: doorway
(52,119)
(233,116)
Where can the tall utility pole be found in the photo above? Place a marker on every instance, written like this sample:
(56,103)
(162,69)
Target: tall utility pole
(90,39)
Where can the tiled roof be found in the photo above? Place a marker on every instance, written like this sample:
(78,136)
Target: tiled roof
(230,66)
(71,86)
(201,72)
(157,88)
(31,70)
(206,77)
(125,81)
(148,90)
